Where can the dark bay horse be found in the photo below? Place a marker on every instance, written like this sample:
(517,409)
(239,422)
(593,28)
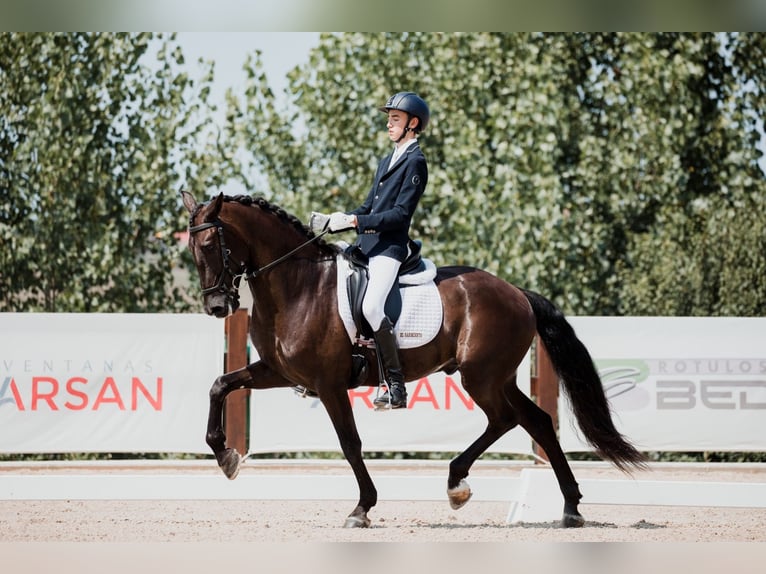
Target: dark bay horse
(488,326)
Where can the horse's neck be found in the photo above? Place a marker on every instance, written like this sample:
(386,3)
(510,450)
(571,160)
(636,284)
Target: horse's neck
(287,296)
(303,274)
(268,239)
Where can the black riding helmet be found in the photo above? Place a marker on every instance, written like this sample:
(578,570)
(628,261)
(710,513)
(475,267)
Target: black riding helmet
(412,104)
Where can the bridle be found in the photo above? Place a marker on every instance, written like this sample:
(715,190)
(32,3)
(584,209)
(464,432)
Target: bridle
(232,291)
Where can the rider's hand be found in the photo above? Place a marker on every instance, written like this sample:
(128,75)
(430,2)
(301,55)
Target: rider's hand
(341,222)
(318,222)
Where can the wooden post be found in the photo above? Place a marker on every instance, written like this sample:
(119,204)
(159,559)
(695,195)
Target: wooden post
(546,389)
(235,410)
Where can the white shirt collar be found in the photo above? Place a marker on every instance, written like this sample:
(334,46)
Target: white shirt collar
(399,151)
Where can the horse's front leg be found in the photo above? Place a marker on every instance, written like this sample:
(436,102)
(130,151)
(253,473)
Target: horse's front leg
(339,408)
(255,376)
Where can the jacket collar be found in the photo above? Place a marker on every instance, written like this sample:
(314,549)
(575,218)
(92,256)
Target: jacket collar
(410,148)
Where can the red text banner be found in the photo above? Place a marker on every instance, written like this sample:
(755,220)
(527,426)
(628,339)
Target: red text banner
(106,382)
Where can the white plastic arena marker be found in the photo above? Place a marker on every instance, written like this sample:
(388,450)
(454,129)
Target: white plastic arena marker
(539,498)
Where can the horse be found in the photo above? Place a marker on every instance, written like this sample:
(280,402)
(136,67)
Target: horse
(488,325)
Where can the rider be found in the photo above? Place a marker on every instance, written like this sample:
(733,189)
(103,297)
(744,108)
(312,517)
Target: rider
(383,223)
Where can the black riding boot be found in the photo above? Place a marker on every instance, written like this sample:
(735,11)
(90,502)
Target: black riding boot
(389,356)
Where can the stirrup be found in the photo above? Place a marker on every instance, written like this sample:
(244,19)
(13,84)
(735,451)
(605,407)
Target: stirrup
(383,402)
(304,392)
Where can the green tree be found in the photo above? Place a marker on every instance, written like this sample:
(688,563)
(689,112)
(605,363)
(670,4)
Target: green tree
(96,133)
(705,252)
(581,165)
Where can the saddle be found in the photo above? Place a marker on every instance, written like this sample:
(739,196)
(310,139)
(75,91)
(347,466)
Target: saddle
(413,305)
(358,278)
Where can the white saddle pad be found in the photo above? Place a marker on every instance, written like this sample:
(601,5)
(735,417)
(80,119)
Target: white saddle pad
(421,316)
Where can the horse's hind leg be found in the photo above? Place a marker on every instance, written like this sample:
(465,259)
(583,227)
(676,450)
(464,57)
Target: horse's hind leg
(501,418)
(458,490)
(255,376)
(539,425)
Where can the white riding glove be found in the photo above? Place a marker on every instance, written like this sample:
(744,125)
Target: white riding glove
(340,222)
(318,222)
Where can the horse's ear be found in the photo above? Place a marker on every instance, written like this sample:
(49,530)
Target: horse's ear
(216,205)
(189,202)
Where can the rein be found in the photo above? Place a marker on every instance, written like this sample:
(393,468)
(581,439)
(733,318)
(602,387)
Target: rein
(285,257)
(220,285)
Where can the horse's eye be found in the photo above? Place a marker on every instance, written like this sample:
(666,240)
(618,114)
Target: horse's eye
(208,247)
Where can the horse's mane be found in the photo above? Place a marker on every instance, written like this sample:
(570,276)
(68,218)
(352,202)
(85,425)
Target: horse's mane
(284,216)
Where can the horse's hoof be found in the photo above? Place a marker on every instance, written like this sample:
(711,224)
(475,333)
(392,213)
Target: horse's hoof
(230,462)
(572,520)
(459,495)
(357,522)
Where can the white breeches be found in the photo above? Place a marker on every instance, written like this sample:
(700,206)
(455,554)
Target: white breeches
(383,272)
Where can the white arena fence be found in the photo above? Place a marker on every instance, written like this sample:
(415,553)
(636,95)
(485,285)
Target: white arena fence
(532,493)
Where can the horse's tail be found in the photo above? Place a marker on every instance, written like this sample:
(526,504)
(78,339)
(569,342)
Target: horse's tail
(574,366)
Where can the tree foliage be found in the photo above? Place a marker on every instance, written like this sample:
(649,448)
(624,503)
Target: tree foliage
(95,136)
(616,173)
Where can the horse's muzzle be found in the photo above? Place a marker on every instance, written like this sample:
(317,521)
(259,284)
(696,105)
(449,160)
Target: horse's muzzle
(220,305)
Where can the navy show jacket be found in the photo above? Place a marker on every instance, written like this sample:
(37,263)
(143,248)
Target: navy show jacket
(383,220)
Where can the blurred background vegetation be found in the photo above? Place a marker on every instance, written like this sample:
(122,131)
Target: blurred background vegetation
(616,173)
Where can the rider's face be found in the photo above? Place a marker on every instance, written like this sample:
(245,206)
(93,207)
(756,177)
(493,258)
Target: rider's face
(397,121)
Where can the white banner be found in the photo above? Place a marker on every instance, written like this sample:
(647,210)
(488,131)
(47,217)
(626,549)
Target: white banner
(106,382)
(440,417)
(678,384)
